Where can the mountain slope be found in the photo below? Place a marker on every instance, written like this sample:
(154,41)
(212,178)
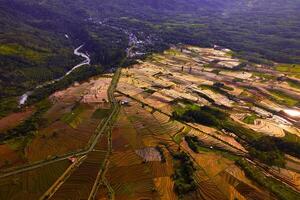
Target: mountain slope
(34,48)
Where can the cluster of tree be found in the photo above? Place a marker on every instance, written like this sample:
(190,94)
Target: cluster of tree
(30,125)
(280,190)
(268,150)
(193,143)
(79,74)
(289,144)
(161,152)
(183,175)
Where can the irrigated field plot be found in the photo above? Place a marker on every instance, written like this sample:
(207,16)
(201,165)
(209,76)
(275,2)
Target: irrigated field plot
(31,184)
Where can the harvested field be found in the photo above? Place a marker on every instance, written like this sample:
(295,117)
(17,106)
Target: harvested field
(97,93)
(149,154)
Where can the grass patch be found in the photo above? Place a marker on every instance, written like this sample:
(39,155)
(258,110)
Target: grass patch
(264,76)
(172,52)
(8,105)
(280,190)
(181,107)
(149,90)
(283,98)
(179,136)
(250,119)
(228,88)
(14,49)
(197,146)
(236,80)
(292,68)
(101,113)
(73,118)
(293,84)
(219,88)
(29,126)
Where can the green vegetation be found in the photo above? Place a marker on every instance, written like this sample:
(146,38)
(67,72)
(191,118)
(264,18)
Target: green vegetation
(283,98)
(250,119)
(227,88)
(264,76)
(267,149)
(279,189)
(182,106)
(161,152)
(294,84)
(197,146)
(193,143)
(218,88)
(180,134)
(237,80)
(17,50)
(292,68)
(79,74)
(289,144)
(101,113)
(8,105)
(214,117)
(149,90)
(73,118)
(183,174)
(30,125)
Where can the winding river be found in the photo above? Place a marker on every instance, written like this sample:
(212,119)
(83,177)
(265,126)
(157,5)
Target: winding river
(87,61)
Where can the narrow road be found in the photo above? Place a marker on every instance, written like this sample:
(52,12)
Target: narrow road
(48,194)
(101,180)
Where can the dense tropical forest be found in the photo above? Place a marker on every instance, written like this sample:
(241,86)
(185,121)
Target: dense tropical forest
(37,37)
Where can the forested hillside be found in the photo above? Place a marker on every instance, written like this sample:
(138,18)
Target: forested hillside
(34,46)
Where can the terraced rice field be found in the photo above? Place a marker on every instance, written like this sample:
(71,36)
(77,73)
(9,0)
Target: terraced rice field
(77,131)
(31,184)
(79,184)
(135,165)
(220,174)
(213,176)
(52,140)
(130,173)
